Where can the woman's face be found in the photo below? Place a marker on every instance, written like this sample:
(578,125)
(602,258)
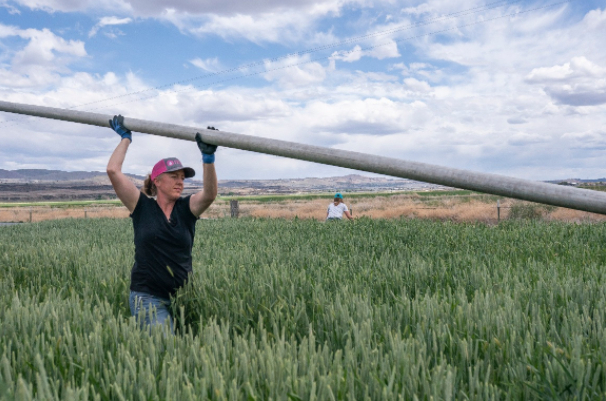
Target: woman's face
(170,184)
(337,201)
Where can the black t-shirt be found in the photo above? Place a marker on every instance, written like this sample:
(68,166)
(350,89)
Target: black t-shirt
(162,247)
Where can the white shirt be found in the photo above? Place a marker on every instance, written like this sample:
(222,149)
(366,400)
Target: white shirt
(336,212)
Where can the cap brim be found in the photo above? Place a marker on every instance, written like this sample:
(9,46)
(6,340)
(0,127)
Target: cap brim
(189,172)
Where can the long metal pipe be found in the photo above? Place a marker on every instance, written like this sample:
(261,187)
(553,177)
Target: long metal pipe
(541,192)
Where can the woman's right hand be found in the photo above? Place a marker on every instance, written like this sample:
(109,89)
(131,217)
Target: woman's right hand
(117,124)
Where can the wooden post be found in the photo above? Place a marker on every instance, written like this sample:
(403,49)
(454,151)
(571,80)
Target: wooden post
(30,214)
(235,210)
(85,214)
(498,211)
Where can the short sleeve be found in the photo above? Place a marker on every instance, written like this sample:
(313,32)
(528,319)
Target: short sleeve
(135,215)
(186,210)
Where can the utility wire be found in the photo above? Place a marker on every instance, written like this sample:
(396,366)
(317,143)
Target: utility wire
(457,14)
(358,50)
(328,57)
(429,21)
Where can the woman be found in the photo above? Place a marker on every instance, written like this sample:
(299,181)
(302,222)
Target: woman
(337,209)
(164,227)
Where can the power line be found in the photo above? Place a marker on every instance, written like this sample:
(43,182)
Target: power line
(429,21)
(328,57)
(457,14)
(358,50)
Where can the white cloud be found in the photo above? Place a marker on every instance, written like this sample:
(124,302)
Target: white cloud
(595,19)
(294,71)
(417,86)
(383,48)
(107,21)
(6,31)
(576,83)
(349,56)
(517,120)
(580,94)
(228,7)
(43,57)
(286,26)
(380,49)
(43,47)
(275,21)
(365,116)
(210,64)
(592,136)
(525,139)
(491,44)
(578,67)
(10,9)
(71,5)
(155,8)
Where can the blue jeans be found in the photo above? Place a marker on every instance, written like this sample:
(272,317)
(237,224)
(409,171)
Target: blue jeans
(155,310)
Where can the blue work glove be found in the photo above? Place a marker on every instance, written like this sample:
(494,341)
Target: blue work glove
(117,125)
(208,151)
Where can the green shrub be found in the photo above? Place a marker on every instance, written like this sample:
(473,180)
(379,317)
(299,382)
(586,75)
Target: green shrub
(529,211)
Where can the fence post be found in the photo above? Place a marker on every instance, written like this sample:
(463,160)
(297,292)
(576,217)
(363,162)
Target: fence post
(85,214)
(235,209)
(30,214)
(498,211)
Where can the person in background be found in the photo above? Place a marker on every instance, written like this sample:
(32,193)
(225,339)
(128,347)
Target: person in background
(164,227)
(337,209)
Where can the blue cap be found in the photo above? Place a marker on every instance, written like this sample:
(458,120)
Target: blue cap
(338,195)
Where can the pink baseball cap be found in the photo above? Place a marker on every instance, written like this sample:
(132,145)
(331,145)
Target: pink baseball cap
(171,164)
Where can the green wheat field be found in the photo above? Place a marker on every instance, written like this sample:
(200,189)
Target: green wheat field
(303,310)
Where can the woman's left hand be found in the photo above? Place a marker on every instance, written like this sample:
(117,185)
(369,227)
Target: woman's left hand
(117,124)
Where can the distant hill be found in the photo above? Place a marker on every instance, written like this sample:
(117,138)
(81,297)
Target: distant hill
(577,181)
(37,184)
(41,176)
(348,183)
(27,185)
(32,175)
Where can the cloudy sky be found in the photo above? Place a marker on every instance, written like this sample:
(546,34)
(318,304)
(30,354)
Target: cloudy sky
(508,87)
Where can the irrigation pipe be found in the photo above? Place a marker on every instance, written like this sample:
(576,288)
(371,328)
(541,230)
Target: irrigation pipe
(540,192)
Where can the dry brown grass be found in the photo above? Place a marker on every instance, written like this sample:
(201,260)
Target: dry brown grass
(453,208)
(40,213)
(574,216)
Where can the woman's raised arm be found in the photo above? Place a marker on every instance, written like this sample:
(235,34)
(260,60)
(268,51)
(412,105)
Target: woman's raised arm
(125,189)
(200,201)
